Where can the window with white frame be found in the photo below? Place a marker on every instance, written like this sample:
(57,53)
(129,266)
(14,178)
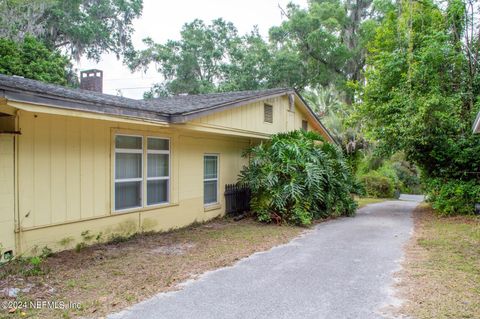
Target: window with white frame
(130,181)
(210,179)
(158,170)
(128,171)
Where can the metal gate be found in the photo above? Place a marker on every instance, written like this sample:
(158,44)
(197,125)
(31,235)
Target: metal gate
(237,199)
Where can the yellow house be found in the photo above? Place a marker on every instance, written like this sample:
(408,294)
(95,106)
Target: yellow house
(79,165)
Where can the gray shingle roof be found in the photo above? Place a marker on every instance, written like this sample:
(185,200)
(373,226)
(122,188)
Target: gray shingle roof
(176,109)
(45,89)
(172,109)
(184,104)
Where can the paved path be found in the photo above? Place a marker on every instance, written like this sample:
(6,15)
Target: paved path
(341,269)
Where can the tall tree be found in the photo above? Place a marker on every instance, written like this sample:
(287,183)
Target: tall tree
(214,57)
(329,105)
(193,64)
(32,59)
(330,37)
(422,84)
(77,27)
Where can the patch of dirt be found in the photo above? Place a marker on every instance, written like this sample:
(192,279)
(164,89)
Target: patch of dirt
(174,249)
(106,278)
(215,225)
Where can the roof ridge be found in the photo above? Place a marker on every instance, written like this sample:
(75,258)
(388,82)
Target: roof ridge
(222,93)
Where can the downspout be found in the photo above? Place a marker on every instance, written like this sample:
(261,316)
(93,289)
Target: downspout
(18,228)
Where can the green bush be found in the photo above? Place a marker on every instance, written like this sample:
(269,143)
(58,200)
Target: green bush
(297,177)
(403,177)
(407,173)
(454,197)
(378,185)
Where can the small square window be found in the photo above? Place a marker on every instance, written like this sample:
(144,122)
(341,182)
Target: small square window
(268,113)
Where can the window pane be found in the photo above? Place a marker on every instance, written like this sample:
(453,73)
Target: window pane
(128,165)
(209,192)
(210,167)
(127,195)
(130,142)
(157,144)
(157,165)
(157,192)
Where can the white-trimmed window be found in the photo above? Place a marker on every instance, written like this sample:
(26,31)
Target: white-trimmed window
(158,170)
(130,182)
(128,171)
(210,179)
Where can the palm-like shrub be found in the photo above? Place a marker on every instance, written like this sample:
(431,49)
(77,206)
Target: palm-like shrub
(297,177)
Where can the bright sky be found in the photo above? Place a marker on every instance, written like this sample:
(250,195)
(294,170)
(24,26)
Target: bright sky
(162,20)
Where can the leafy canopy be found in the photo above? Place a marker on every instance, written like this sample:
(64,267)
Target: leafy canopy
(32,59)
(78,27)
(214,57)
(421,91)
(323,44)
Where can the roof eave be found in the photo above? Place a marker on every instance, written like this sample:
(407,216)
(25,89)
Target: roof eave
(100,108)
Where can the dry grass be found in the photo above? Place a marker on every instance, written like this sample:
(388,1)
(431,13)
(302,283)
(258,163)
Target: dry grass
(441,275)
(106,278)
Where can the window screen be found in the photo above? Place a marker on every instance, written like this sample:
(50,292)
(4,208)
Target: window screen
(158,170)
(128,172)
(210,179)
(268,113)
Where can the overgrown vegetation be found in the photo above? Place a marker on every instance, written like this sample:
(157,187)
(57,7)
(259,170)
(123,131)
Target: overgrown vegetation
(297,177)
(421,95)
(388,178)
(452,197)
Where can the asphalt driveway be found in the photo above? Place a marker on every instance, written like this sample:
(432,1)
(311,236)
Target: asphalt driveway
(341,269)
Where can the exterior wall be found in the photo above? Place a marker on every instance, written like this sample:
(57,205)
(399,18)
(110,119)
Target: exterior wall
(7,198)
(250,117)
(65,179)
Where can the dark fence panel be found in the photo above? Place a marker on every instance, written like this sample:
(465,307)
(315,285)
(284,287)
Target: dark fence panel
(237,199)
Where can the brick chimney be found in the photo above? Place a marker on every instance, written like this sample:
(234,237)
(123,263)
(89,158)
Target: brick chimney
(92,80)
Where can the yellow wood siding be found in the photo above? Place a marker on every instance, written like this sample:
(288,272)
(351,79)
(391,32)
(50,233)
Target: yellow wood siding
(65,178)
(7,200)
(251,117)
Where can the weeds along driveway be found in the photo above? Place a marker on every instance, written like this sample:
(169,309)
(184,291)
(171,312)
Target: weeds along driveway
(341,269)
